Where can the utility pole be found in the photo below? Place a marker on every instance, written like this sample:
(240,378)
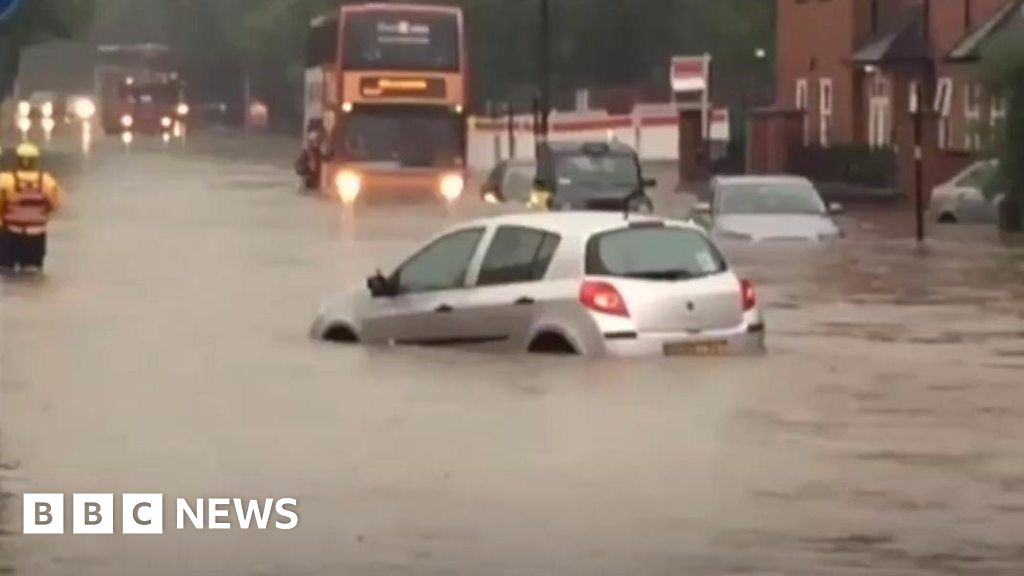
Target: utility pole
(544,71)
(925,99)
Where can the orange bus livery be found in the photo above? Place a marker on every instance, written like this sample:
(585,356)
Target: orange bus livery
(387,85)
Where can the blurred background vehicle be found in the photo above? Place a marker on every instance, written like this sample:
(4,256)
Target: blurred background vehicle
(393,106)
(767,208)
(573,176)
(972,196)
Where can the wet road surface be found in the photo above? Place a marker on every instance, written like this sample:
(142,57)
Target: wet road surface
(166,351)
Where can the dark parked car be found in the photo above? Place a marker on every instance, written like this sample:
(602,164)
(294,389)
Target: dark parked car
(573,176)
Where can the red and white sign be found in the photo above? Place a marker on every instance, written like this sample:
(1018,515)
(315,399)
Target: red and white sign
(690,73)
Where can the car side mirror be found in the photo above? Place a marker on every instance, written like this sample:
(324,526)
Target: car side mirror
(650,183)
(380,286)
(836,208)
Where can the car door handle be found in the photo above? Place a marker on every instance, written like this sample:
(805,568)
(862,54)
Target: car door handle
(525,301)
(444,309)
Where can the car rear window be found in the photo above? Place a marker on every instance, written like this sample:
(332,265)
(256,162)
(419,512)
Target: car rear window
(656,253)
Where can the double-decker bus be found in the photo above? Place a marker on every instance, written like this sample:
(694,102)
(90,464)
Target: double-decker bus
(387,84)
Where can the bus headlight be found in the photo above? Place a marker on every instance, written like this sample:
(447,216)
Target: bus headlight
(166,122)
(85,109)
(182,109)
(349,184)
(47,109)
(24,109)
(127,121)
(452,186)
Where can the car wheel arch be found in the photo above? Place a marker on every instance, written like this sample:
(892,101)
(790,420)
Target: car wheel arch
(340,332)
(552,331)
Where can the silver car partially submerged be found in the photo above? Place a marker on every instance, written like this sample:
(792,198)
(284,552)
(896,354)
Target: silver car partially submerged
(574,283)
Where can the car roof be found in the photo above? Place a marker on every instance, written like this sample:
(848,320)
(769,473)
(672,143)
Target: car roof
(762,179)
(572,223)
(577,146)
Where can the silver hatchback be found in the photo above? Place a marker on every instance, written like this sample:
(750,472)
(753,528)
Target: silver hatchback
(575,283)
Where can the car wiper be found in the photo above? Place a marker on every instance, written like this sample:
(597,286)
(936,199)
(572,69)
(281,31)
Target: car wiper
(664,275)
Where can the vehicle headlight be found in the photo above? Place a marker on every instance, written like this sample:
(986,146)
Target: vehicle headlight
(47,109)
(127,121)
(452,186)
(166,122)
(85,109)
(49,124)
(182,109)
(24,109)
(490,198)
(24,123)
(349,184)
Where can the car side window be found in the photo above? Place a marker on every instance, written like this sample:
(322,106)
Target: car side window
(442,265)
(978,177)
(516,255)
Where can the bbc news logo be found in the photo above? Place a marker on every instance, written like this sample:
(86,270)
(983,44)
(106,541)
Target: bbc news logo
(144,514)
(7,8)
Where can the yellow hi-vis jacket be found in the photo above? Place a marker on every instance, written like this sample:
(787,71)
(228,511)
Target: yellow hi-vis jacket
(26,201)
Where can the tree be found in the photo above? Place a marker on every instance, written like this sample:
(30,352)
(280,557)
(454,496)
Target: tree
(34,22)
(1004,61)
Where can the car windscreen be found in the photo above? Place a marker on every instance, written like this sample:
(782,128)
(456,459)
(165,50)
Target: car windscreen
(401,136)
(408,41)
(152,94)
(769,198)
(654,253)
(596,172)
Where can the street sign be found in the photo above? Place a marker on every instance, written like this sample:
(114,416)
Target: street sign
(8,8)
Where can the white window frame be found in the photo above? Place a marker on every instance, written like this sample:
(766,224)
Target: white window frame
(944,105)
(998,109)
(826,104)
(803,99)
(879,113)
(972,115)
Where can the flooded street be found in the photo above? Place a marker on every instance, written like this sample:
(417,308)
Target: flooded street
(166,351)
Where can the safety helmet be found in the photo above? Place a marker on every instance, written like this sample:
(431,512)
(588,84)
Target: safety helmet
(28,152)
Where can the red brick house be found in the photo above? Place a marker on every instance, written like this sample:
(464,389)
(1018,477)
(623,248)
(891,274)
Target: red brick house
(853,67)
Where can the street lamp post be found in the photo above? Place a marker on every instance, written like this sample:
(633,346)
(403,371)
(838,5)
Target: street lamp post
(544,70)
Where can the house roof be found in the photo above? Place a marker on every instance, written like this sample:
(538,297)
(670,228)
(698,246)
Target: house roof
(903,40)
(1009,18)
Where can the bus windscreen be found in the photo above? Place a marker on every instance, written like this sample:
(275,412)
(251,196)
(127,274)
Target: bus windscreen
(403,137)
(406,41)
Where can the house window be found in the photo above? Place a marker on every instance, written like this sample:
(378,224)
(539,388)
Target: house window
(879,113)
(825,112)
(944,105)
(802,104)
(998,110)
(972,116)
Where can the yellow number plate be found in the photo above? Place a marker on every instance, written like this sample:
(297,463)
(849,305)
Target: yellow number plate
(715,348)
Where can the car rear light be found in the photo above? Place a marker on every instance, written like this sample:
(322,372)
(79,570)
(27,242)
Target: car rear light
(603,297)
(748,294)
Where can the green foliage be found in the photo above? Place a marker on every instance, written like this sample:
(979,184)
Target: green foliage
(595,43)
(1004,63)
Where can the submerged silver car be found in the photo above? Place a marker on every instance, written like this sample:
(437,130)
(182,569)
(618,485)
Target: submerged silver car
(768,208)
(576,283)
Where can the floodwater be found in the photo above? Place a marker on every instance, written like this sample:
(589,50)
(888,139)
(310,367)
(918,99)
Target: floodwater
(166,351)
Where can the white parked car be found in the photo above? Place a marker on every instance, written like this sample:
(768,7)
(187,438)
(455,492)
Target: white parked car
(768,208)
(972,196)
(577,283)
